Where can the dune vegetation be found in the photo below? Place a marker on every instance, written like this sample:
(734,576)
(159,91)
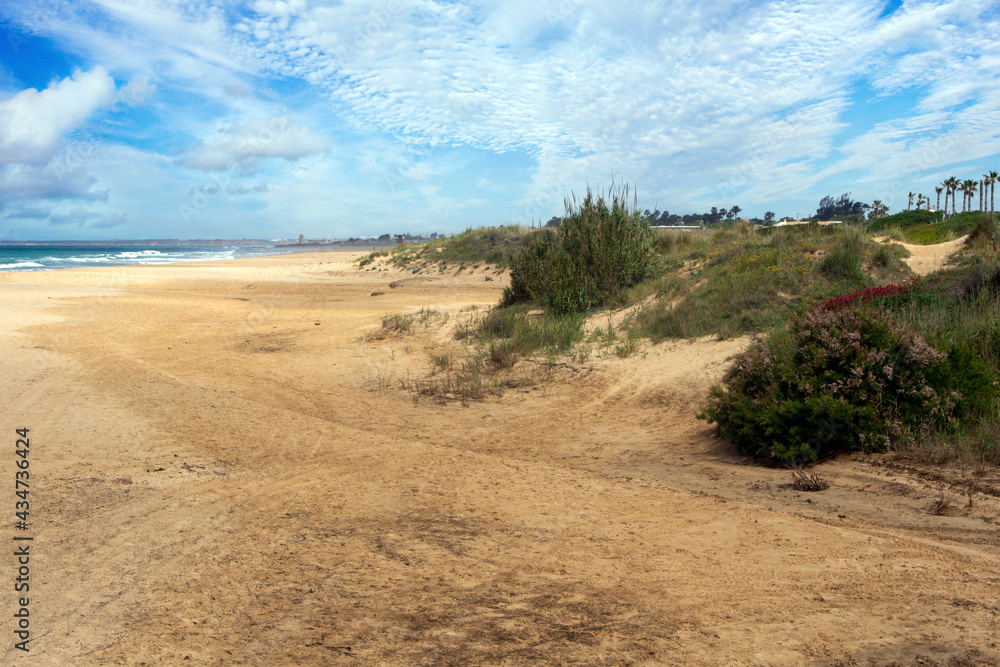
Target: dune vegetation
(848,349)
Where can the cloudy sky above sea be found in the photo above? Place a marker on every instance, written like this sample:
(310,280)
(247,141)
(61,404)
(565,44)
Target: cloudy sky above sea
(267,119)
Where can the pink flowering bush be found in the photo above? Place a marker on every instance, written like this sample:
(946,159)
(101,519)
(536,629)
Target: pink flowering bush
(848,378)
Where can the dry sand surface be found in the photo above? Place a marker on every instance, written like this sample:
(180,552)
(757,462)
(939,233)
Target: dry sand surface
(224,470)
(926,259)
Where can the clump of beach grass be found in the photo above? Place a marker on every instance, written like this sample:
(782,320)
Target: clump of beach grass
(603,246)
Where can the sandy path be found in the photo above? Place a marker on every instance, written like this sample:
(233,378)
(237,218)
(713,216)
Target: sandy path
(228,474)
(925,259)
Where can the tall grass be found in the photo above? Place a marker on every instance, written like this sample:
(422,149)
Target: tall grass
(483,246)
(928,227)
(985,229)
(603,247)
(669,241)
(960,306)
(843,262)
(523,333)
(957,310)
(754,282)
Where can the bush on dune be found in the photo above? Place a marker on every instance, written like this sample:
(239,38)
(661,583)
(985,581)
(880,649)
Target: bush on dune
(846,378)
(985,230)
(905,219)
(602,248)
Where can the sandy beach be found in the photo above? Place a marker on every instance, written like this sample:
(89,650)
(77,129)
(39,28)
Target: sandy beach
(226,470)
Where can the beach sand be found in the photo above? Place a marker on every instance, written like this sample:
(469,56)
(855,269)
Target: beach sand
(225,470)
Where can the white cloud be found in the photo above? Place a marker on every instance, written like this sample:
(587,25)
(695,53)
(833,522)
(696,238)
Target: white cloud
(697,104)
(247,144)
(32,123)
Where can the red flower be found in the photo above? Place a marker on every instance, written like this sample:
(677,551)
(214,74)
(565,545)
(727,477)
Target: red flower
(861,296)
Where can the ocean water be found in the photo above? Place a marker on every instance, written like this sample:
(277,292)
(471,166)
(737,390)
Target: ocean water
(49,257)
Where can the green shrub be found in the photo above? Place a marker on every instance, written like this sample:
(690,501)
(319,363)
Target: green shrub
(844,261)
(510,332)
(845,379)
(926,227)
(985,229)
(905,219)
(886,254)
(602,248)
(536,261)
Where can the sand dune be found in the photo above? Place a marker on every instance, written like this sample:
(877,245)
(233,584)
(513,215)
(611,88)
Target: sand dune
(225,471)
(925,259)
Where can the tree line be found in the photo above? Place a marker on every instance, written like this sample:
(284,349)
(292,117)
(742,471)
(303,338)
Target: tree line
(844,206)
(951,186)
(716,215)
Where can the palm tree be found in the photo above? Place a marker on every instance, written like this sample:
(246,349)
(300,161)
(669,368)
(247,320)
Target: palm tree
(878,210)
(994,176)
(735,211)
(968,189)
(909,205)
(938,189)
(952,184)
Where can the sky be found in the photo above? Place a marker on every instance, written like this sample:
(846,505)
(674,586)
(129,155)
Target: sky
(134,119)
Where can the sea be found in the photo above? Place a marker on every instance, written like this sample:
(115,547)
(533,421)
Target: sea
(50,257)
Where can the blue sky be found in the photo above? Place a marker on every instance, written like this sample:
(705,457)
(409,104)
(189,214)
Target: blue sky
(267,119)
